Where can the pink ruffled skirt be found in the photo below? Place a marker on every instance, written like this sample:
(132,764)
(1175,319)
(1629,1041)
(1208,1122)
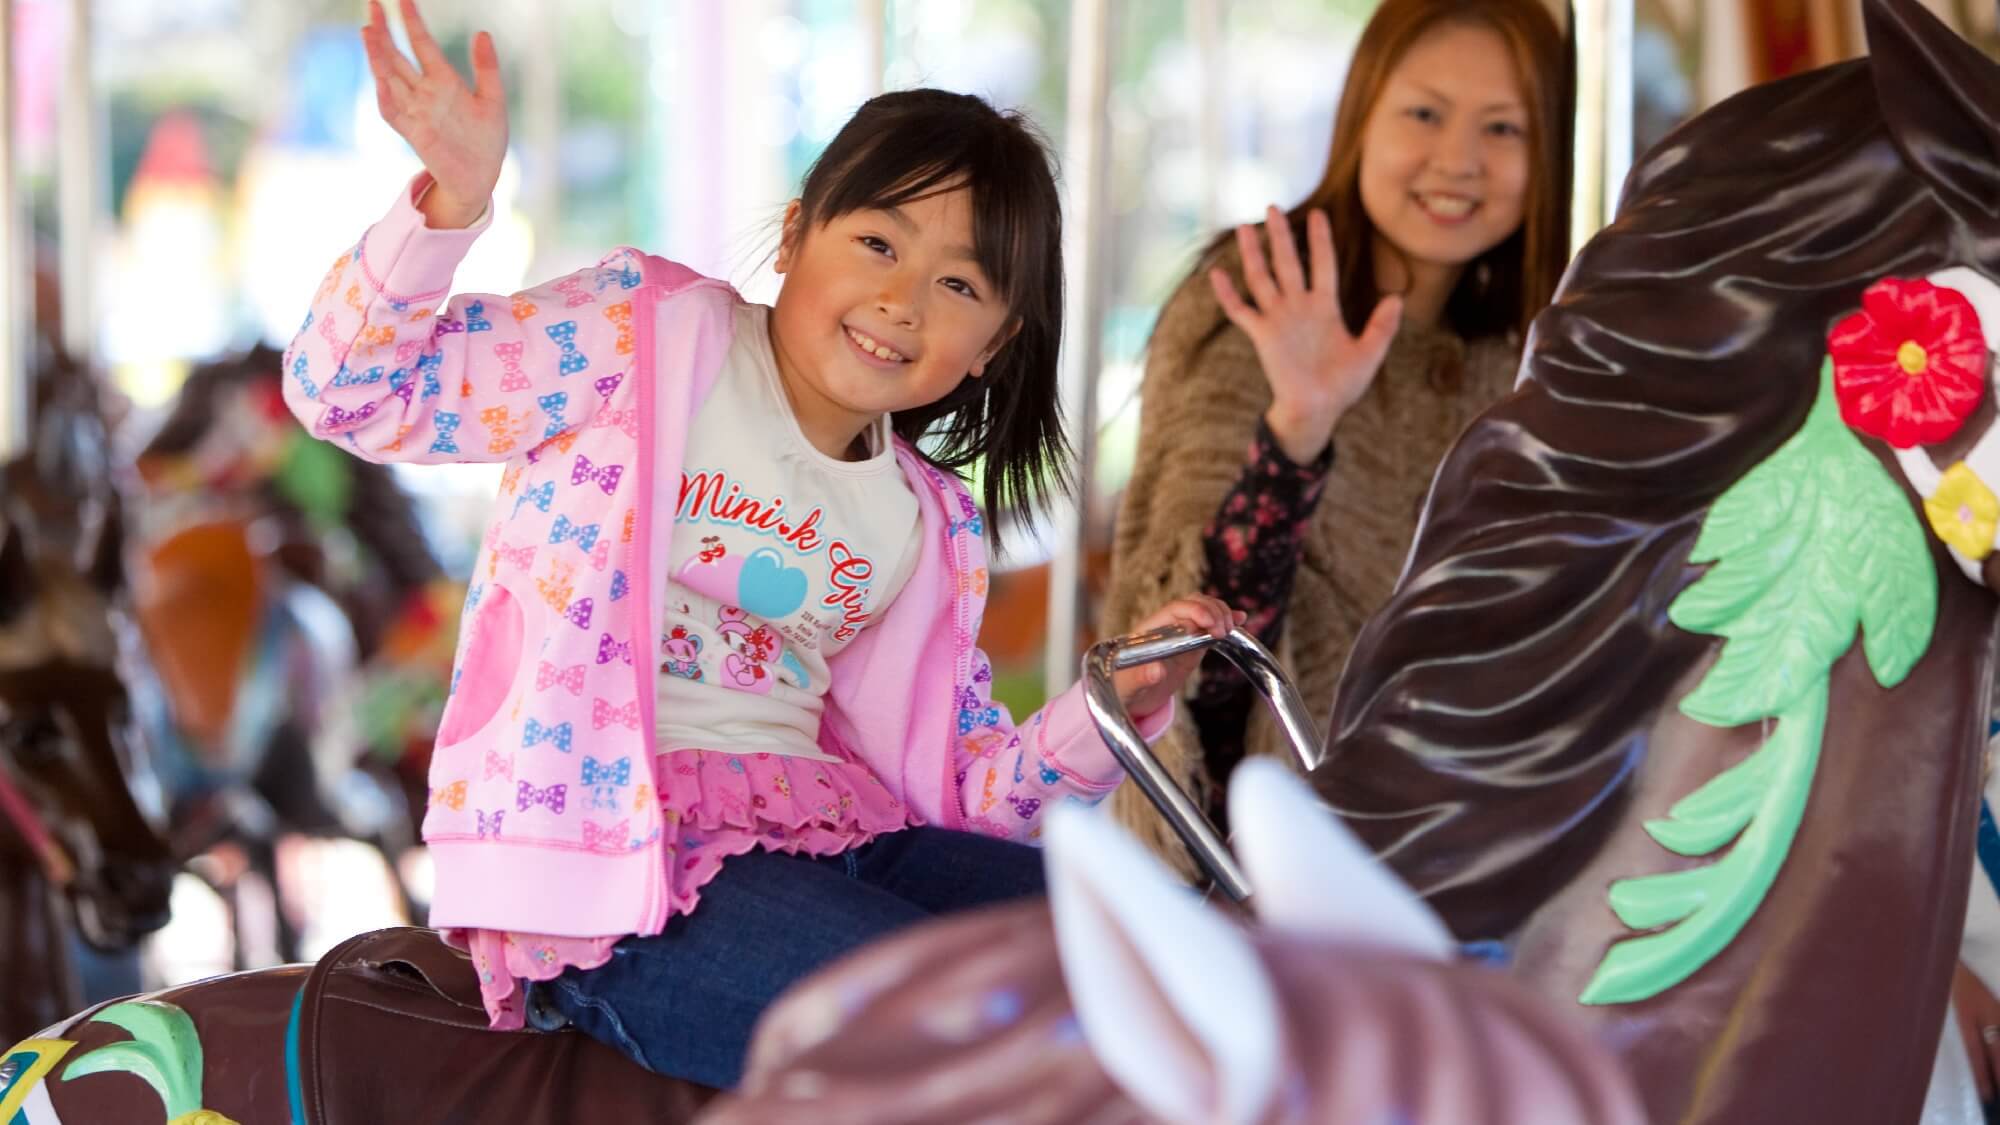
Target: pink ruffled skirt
(714,805)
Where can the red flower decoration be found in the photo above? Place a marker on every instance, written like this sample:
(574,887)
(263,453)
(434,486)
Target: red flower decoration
(1910,366)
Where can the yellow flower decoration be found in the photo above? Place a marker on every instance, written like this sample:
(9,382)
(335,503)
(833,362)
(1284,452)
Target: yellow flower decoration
(1964,512)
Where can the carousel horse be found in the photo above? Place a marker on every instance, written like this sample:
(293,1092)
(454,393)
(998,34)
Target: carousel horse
(78,852)
(1123,999)
(1616,714)
(249,622)
(238,706)
(1342,1006)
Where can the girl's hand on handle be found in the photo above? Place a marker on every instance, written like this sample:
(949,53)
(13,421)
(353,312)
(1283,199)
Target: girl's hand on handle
(1148,687)
(460,133)
(1316,368)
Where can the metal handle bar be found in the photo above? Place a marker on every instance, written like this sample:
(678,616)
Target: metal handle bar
(1122,734)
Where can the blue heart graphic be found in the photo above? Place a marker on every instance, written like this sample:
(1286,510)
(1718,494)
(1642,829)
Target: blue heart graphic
(769,589)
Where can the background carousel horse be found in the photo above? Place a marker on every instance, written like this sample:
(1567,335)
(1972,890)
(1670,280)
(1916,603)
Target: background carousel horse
(77,852)
(1340,1008)
(1625,642)
(270,572)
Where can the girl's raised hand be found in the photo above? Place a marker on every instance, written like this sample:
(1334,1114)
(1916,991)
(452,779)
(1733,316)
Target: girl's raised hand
(1147,688)
(1316,368)
(459,133)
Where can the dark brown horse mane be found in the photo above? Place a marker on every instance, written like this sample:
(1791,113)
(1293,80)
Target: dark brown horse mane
(1511,716)
(1527,649)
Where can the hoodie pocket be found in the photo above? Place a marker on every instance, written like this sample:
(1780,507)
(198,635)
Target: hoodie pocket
(491,664)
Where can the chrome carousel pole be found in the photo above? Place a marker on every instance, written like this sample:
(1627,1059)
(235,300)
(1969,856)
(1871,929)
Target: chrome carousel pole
(1086,231)
(541,127)
(1602,129)
(872,16)
(80,189)
(17,283)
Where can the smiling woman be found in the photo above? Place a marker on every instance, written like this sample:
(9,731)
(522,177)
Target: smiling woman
(1445,194)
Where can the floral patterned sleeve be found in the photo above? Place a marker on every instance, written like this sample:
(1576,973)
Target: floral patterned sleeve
(1253,545)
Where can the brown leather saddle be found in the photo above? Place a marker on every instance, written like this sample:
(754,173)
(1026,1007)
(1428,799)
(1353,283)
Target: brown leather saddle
(388,1026)
(391,1028)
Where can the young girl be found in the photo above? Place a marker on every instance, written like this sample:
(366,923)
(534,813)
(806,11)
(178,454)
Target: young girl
(720,653)
(1445,192)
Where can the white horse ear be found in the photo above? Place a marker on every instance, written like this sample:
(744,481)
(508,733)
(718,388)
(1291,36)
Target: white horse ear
(1170,995)
(1311,877)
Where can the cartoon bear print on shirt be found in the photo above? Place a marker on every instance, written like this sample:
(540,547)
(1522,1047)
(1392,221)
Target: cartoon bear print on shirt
(753,652)
(682,650)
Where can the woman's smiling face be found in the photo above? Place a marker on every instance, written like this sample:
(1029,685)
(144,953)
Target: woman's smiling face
(1444,155)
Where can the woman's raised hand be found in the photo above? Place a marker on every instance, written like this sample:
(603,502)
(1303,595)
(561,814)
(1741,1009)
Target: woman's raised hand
(1316,368)
(459,132)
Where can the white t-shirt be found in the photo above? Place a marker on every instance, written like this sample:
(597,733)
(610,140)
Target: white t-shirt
(780,555)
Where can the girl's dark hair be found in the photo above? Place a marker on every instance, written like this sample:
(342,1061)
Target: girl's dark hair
(910,144)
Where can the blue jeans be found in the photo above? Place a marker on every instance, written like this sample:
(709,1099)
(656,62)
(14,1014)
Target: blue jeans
(684,1001)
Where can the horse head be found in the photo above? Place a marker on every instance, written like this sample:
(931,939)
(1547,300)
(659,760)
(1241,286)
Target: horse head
(1123,998)
(76,785)
(1684,692)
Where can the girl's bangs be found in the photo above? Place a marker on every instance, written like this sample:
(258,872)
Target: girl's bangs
(1003,202)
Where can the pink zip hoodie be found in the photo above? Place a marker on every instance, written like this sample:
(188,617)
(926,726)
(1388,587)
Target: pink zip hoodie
(586,387)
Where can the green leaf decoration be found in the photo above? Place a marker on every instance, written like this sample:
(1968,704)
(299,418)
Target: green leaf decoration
(1707,906)
(1814,543)
(164,1052)
(1712,815)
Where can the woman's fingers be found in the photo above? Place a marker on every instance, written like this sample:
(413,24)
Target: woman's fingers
(1284,252)
(1234,307)
(1380,330)
(1325,260)
(1256,273)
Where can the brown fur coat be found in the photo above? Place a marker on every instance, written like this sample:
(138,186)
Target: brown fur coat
(1203,393)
